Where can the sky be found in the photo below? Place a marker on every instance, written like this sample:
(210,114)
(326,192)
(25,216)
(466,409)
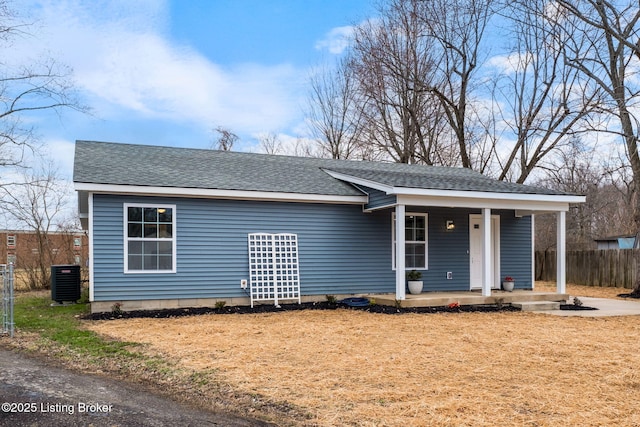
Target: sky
(167,72)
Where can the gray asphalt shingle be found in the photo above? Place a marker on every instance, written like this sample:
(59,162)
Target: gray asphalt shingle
(156,166)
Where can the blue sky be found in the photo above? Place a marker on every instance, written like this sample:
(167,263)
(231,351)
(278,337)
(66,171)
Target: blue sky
(168,72)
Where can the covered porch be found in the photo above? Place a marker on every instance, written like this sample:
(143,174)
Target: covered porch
(465,231)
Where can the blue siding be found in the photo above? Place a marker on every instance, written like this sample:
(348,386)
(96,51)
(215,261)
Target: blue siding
(448,250)
(377,198)
(341,249)
(515,249)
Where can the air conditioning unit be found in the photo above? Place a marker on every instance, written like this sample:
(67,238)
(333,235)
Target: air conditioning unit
(65,283)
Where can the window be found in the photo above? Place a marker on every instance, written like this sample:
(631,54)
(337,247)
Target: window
(11,259)
(150,244)
(77,243)
(415,236)
(11,241)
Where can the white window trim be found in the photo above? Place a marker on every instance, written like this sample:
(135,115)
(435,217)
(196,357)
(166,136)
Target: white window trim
(11,241)
(125,227)
(426,240)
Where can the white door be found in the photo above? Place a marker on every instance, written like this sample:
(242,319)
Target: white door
(475,251)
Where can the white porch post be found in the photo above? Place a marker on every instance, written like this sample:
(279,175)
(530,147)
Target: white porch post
(400,248)
(487,255)
(561,253)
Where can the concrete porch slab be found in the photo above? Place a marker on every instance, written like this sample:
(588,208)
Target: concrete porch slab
(537,305)
(436,299)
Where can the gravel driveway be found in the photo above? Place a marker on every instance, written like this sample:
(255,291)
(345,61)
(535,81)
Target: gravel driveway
(33,393)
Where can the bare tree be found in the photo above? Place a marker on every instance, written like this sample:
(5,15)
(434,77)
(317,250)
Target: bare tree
(457,28)
(226,139)
(392,63)
(37,204)
(544,100)
(270,143)
(334,112)
(604,47)
(25,88)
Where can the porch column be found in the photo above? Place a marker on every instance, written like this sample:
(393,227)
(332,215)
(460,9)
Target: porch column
(487,256)
(400,248)
(561,253)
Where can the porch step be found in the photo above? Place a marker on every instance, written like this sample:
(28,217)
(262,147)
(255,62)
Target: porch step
(537,305)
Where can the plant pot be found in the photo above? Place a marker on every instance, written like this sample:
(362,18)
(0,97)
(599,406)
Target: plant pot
(415,287)
(508,286)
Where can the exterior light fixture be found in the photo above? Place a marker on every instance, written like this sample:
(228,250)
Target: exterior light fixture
(451,225)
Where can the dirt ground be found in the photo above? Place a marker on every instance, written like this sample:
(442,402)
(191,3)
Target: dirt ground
(346,367)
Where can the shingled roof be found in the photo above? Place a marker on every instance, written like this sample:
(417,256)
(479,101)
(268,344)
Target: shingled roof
(156,166)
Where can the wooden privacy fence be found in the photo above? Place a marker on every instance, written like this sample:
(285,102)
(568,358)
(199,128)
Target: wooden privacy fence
(604,268)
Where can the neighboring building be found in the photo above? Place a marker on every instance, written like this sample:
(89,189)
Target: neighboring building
(22,248)
(172,227)
(617,242)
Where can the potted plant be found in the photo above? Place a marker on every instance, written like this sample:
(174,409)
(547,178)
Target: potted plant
(508,283)
(414,282)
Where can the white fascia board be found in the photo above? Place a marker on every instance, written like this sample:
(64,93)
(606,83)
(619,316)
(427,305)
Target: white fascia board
(489,195)
(485,203)
(474,199)
(218,194)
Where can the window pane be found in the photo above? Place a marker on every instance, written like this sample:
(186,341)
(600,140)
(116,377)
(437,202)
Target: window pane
(165,248)
(165,230)
(135,214)
(150,230)
(165,214)
(135,248)
(420,235)
(135,262)
(150,262)
(150,215)
(164,262)
(408,234)
(150,248)
(135,229)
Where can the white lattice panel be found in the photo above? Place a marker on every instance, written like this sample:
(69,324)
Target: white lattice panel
(273,267)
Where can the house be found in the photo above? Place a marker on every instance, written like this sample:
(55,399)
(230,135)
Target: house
(171,227)
(627,241)
(22,247)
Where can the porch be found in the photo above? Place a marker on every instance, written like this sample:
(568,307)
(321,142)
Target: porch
(436,299)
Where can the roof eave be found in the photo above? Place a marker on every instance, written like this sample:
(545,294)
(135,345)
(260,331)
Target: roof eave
(219,193)
(523,202)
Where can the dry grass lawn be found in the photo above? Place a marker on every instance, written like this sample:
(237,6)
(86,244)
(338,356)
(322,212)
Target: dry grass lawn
(354,368)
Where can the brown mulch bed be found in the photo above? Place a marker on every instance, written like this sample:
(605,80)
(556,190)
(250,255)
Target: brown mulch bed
(353,367)
(271,308)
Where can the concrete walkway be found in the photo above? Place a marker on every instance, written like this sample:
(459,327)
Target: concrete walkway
(606,307)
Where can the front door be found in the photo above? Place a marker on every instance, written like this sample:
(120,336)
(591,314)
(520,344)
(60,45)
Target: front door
(475,251)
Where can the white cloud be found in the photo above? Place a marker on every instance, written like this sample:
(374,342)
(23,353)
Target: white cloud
(336,40)
(126,65)
(511,63)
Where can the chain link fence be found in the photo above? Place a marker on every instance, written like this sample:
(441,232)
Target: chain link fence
(7,299)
